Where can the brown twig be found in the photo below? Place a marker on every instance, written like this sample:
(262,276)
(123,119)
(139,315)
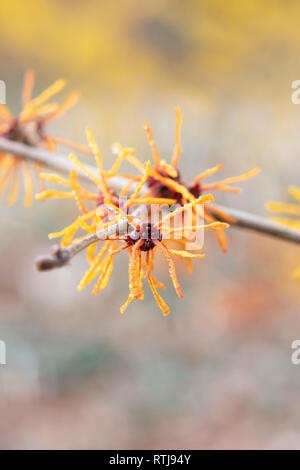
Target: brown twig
(55,161)
(59,162)
(256,223)
(61,256)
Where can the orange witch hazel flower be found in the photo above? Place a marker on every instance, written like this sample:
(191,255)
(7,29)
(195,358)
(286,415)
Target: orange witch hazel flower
(165,179)
(141,243)
(290,209)
(29,128)
(141,240)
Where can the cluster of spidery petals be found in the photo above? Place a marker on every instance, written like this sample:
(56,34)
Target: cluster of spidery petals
(29,128)
(288,209)
(140,238)
(165,179)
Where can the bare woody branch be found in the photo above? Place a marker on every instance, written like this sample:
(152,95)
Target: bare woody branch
(55,161)
(256,223)
(59,162)
(62,256)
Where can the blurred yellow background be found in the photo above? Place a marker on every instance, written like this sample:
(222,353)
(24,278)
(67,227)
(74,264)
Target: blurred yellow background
(216,373)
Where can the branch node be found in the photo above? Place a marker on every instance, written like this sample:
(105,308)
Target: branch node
(60,257)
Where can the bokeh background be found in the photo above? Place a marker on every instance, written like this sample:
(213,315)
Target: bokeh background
(217,372)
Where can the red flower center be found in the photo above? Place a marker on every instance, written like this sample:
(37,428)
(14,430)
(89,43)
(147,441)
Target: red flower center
(147,232)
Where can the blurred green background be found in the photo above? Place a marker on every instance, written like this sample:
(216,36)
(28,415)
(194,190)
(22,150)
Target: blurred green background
(217,372)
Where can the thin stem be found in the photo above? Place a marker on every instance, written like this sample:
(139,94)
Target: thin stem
(255,223)
(56,161)
(62,256)
(59,162)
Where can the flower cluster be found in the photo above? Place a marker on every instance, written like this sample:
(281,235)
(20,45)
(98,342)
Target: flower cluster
(141,239)
(109,221)
(165,179)
(156,185)
(29,128)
